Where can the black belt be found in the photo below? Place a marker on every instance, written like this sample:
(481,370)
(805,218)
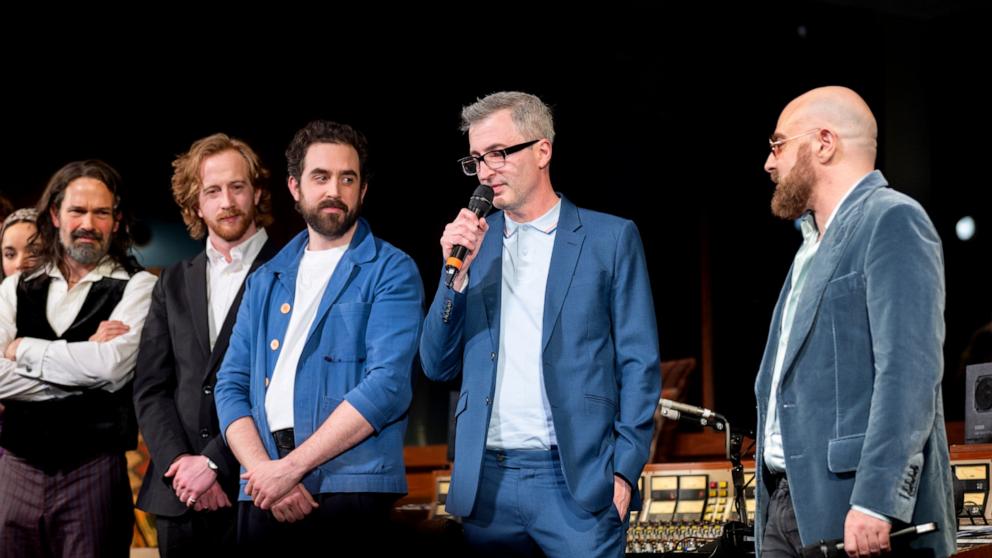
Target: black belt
(285,440)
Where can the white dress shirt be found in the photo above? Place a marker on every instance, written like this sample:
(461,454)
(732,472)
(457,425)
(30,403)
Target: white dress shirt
(224,278)
(84,364)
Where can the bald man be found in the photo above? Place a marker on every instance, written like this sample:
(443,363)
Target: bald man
(851,440)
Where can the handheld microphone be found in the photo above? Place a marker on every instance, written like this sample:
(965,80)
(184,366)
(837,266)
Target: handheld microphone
(480,203)
(835,547)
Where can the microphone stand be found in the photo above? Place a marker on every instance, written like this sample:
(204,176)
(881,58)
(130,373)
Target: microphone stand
(736,534)
(735,440)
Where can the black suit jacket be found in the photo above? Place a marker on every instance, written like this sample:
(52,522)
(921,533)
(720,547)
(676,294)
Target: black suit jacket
(174,381)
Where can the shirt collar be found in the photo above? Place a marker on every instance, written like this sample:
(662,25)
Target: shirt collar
(108,267)
(246,251)
(546,223)
(807,225)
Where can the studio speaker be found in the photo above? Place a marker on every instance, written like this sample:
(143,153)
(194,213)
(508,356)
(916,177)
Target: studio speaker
(978,404)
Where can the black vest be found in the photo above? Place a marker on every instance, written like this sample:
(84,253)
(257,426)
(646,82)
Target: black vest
(61,433)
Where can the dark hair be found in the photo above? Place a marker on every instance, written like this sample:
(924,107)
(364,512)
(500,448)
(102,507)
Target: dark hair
(6,207)
(52,251)
(326,131)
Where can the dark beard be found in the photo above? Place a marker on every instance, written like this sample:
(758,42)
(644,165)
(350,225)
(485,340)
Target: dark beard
(330,225)
(794,191)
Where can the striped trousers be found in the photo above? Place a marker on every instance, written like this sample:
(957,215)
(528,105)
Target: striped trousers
(83,511)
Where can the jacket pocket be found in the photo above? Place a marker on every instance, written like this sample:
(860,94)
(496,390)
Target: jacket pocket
(598,404)
(844,453)
(462,405)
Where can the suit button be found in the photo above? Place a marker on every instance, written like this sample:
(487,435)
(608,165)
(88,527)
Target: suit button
(204,433)
(266,382)
(285,308)
(207,390)
(492,356)
(487,402)
(274,344)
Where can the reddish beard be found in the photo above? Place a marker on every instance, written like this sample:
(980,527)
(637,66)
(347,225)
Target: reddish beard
(233,231)
(794,190)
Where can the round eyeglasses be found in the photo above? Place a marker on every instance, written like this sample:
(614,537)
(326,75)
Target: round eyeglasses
(776,144)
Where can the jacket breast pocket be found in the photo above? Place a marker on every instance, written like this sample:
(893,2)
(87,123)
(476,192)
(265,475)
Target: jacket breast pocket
(849,285)
(345,328)
(599,405)
(851,351)
(844,453)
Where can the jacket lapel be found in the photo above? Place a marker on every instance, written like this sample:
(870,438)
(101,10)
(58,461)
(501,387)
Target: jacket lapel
(564,257)
(489,267)
(224,336)
(763,382)
(824,263)
(361,250)
(196,293)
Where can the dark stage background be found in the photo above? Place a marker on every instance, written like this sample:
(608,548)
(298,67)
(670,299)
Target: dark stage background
(660,119)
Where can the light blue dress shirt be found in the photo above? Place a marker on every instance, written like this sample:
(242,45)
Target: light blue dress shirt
(521,416)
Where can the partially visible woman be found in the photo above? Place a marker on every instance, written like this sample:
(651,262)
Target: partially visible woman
(18,240)
(19,245)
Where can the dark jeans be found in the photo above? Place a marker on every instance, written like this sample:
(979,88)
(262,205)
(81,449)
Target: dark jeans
(781,531)
(342,522)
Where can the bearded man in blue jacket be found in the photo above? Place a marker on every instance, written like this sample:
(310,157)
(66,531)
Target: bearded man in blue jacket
(851,440)
(313,392)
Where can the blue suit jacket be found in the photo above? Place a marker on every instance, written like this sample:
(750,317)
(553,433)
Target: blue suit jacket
(859,399)
(600,346)
(359,349)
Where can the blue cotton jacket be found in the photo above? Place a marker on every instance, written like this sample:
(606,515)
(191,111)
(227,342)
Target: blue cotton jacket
(360,349)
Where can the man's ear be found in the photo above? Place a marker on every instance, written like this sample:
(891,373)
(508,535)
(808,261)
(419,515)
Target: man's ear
(544,149)
(294,187)
(828,140)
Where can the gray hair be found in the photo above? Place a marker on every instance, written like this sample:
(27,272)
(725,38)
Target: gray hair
(529,113)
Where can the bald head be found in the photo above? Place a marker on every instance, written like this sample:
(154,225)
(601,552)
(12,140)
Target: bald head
(841,110)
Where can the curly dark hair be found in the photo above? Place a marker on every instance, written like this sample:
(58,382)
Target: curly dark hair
(326,131)
(51,201)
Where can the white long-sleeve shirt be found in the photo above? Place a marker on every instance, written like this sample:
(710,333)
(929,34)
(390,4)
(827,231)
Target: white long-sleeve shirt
(47,369)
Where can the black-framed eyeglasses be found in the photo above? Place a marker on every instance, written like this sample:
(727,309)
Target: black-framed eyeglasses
(493,159)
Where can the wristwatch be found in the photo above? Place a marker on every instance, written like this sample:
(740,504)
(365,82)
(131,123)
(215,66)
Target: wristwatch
(211,464)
